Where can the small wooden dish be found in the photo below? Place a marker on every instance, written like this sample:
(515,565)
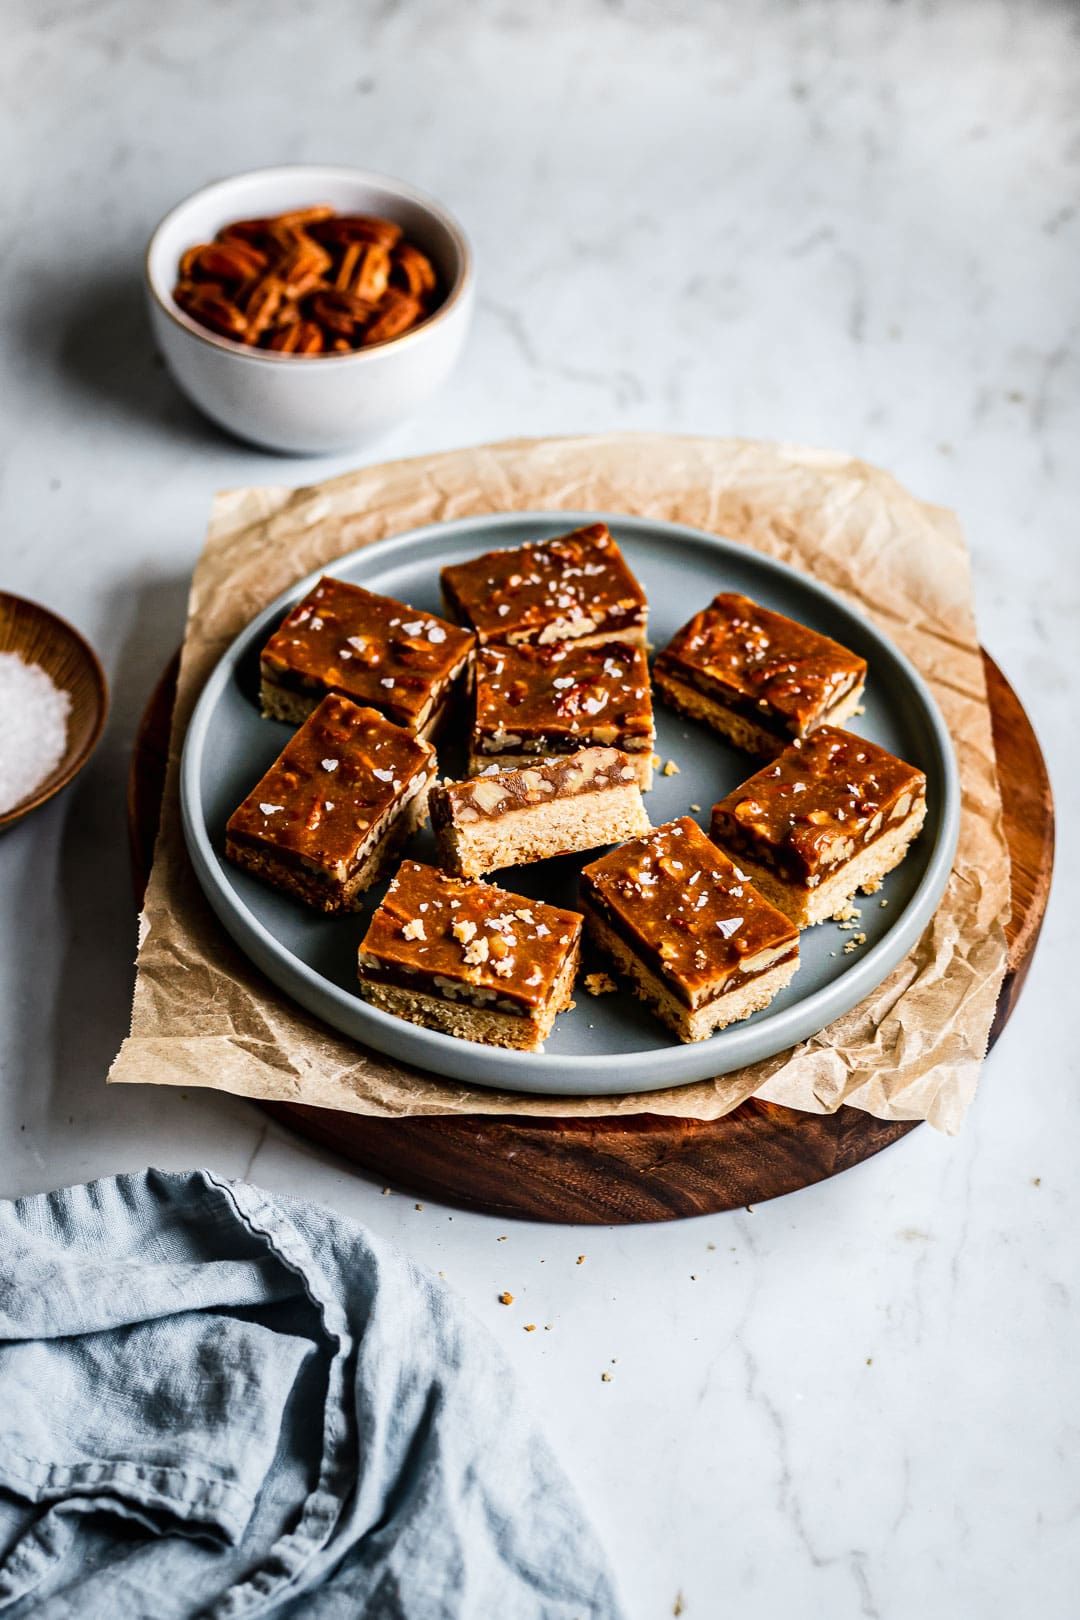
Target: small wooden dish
(40,637)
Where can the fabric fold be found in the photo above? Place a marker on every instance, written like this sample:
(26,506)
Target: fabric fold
(221,1402)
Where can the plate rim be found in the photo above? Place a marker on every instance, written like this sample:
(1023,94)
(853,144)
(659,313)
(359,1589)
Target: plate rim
(538,1073)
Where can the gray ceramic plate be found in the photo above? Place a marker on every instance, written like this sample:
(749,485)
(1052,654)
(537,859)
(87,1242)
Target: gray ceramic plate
(610,1043)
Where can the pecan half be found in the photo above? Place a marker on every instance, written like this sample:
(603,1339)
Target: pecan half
(225,261)
(209,306)
(413,271)
(302,337)
(397,312)
(341,312)
(344,228)
(262,304)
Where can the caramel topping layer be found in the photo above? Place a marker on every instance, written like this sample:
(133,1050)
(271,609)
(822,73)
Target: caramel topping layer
(467,941)
(687,910)
(371,648)
(498,793)
(563,695)
(576,585)
(341,772)
(761,663)
(825,796)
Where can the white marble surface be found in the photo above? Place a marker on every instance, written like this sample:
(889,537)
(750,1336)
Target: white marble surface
(849,224)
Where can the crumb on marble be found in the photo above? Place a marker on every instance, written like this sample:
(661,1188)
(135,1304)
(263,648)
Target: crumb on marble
(605,1377)
(505,1298)
(530,1327)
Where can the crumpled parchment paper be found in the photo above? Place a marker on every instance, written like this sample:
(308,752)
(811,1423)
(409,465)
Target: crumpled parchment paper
(204,1016)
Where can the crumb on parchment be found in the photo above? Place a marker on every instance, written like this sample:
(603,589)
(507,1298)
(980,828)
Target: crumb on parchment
(581,1259)
(530,1327)
(506,1299)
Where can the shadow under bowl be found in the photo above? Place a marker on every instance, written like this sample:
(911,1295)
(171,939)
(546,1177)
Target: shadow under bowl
(40,637)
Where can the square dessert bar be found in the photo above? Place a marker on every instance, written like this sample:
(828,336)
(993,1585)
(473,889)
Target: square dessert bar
(555,807)
(342,638)
(334,807)
(683,924)
(469,959)
(831,816)
(574,588)
(534,701)
(756,676)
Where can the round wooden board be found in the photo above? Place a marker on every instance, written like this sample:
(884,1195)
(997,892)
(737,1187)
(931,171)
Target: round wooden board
(641,1167)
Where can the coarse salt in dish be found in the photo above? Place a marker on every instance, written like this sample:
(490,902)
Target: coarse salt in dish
(33,728)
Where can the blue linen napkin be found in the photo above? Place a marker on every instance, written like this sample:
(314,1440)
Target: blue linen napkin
(214,1401)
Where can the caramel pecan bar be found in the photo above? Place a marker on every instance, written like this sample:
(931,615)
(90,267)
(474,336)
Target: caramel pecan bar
(555,807)
(534,701)
(342,638)
(336,804)
(831,816)
(469,959)
(685,926)
(574,588)
(757,677)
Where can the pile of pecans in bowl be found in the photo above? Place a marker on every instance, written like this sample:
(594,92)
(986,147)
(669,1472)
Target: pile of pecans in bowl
(309,282)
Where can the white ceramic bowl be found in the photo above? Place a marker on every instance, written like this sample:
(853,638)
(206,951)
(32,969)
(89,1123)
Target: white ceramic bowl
(317,404)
